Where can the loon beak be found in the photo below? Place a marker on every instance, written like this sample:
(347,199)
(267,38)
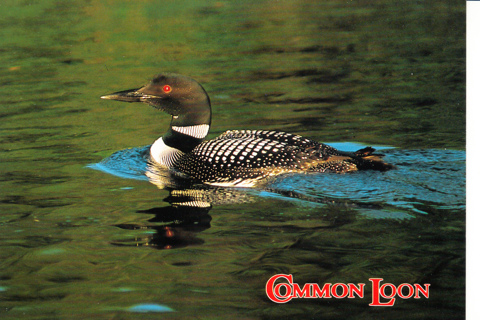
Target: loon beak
(131,95)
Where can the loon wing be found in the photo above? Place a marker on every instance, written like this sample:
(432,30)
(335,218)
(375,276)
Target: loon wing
(243,157)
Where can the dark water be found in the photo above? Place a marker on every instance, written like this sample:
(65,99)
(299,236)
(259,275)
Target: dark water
(109,244)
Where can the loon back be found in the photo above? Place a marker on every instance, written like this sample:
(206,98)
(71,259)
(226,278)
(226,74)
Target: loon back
(235,158)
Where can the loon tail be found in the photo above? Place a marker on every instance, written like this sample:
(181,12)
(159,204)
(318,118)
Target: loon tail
(365,159)
(343,161)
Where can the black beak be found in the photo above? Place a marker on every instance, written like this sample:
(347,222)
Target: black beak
(131,95)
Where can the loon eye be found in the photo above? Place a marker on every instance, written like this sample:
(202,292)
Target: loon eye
(166,88)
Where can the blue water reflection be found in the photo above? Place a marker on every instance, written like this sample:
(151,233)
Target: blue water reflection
(423,180)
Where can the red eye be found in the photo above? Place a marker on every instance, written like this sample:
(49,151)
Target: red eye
(167,88)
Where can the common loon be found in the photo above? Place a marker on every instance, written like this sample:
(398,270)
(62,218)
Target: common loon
(241,158)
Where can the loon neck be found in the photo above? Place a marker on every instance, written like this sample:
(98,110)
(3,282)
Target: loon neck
(185,138)
(178,140)
(187,130)
(190,125)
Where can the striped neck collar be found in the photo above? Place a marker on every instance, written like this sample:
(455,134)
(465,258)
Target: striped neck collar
(185,138)
(199,131)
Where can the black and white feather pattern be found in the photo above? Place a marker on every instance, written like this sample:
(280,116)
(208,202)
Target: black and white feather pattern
(198,131)
(244,157)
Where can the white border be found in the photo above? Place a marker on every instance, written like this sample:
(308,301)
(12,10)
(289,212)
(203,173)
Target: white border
(473,169)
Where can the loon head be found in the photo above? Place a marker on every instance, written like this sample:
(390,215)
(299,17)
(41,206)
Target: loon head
(180,96)
(188,104)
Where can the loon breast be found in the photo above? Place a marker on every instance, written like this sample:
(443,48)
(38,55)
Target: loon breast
(167,156)
(164,155)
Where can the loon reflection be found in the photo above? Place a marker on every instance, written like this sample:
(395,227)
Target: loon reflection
(187,214)
(335,200)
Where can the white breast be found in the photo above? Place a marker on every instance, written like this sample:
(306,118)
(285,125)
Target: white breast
(164,155)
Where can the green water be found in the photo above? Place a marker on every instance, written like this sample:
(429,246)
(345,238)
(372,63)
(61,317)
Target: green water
(80,243)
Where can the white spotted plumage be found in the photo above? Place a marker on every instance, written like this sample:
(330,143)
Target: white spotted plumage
(244,158)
